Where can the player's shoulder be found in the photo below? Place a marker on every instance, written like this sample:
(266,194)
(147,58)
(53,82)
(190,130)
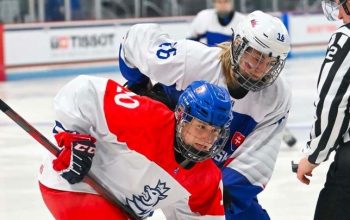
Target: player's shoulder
(145,32)
(84,84)
(280,87)
(206,12)
(197,51)
(344,29)
(239,14)
(274,98)
(279,92)
(202,61)
(145,26)
(340,36)
(86,80)
(201,50)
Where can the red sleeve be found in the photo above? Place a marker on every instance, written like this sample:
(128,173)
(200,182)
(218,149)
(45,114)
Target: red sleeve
(135,119)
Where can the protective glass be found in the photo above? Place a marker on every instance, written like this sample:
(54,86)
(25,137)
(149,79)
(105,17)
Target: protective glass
(252,69)
(208,147)
(331,9)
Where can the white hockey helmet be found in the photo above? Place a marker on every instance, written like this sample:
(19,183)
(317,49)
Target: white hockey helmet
(267,35)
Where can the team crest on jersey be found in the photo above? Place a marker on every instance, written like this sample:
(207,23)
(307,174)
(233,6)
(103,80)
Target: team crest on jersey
(143,204)
(237,139)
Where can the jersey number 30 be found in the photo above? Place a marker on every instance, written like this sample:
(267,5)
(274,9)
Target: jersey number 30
(125,99)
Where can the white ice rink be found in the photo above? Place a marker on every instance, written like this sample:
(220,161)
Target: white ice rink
(285,198)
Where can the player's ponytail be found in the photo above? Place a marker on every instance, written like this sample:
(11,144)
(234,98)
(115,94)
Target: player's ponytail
(225,58)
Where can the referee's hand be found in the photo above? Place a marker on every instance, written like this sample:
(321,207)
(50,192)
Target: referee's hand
(305,169)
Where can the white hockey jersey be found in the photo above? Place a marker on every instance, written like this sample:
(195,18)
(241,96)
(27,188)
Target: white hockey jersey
(259,117)
(134,156)
(207,29)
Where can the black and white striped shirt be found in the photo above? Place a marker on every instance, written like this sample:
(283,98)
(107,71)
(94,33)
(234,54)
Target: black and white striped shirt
(331,125)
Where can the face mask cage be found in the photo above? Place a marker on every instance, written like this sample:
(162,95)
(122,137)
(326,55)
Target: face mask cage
(270,66)
(331,9)
(188,151)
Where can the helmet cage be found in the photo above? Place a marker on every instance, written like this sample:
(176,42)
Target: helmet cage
(239,47)
(331,9)
(188,151)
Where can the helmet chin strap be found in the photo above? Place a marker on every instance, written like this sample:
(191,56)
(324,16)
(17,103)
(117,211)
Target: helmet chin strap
(185,163)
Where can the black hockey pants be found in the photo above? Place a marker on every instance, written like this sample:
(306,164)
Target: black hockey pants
(334,199)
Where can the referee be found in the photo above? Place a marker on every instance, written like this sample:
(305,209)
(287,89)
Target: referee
(330,130)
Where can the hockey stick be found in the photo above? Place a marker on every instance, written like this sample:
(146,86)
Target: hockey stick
(295,167)
(90,178)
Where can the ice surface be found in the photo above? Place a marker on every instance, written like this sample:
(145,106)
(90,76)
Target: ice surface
(20,155)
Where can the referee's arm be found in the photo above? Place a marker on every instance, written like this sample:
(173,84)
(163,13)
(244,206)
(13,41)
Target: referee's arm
(332,106)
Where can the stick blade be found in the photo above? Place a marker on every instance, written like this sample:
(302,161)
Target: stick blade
(3,106)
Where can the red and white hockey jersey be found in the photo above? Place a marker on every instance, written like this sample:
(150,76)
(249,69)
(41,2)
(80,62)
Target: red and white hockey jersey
(134,152)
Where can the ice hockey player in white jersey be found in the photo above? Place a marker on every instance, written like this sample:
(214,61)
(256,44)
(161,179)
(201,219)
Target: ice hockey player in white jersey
(214,26)
(148,156)
(249,68)
(217,25)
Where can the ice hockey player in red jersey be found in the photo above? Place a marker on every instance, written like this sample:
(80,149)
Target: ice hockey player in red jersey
(148,156)
(249,68)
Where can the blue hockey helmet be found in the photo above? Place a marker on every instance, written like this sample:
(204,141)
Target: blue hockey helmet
(209,104)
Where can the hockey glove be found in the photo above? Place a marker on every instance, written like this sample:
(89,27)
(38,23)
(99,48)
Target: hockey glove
(227,199)
(75,159)
(140,88)
(157,93)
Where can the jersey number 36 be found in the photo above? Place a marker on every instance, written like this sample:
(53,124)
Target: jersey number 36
(166,50)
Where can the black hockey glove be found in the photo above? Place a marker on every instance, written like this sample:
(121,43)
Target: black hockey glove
(157,93)
(227,199)
(140,88)
(75,159)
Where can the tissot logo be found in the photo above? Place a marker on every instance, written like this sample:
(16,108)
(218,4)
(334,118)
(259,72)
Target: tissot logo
(61,42)
(82,41)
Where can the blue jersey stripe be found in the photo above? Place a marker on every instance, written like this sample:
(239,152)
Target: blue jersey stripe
(216,38)
(239,189)
(133,75)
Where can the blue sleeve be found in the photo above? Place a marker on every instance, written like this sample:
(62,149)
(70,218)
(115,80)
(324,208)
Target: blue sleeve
(241,191)
(172,93)
(132,75)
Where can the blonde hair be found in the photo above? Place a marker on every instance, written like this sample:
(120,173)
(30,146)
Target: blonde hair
(225,58)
